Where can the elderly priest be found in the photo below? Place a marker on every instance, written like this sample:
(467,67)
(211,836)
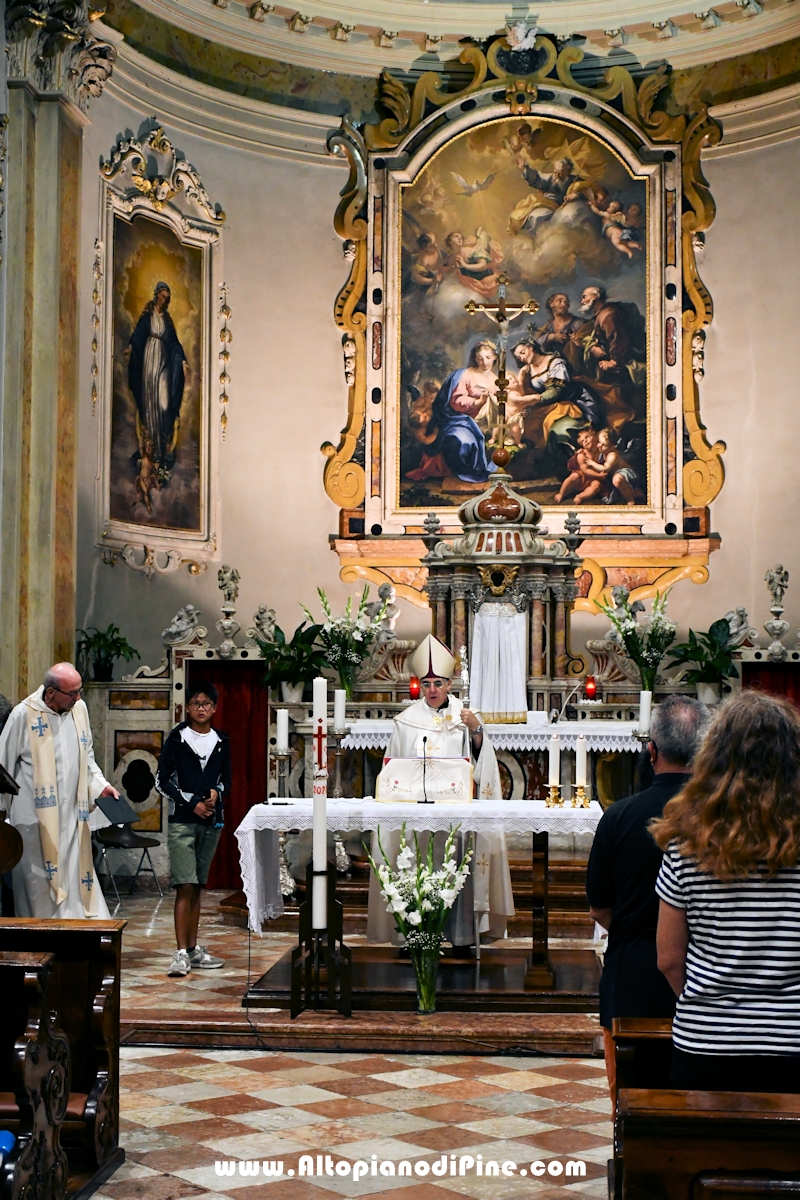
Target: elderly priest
(437,727)
(46,746)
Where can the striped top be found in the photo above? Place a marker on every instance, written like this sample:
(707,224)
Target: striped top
(742,990)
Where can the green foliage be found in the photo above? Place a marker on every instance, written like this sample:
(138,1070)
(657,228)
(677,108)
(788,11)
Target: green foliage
(711,654)
(292,662)
(100,649)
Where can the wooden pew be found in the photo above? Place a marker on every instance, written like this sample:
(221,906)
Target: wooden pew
(643,1051)
(84,990)
(676,1145)
(34,1080)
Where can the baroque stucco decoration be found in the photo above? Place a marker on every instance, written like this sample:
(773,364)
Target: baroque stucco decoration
(147,176)
(629,108)
(52,44)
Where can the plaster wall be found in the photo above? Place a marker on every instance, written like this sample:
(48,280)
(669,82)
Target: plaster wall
(283,265)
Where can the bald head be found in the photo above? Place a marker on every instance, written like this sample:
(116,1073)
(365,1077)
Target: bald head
(62,687)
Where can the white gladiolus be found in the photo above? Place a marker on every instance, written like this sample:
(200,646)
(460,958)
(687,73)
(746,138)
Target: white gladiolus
(414,918)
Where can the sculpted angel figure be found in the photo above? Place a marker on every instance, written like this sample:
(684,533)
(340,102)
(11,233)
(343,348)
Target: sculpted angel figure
(228,581)
(777,580)
(181,626)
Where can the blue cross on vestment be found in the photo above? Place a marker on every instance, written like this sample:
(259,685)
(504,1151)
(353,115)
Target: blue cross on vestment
(51,870)
(39,727)
(84,739)
(87,881)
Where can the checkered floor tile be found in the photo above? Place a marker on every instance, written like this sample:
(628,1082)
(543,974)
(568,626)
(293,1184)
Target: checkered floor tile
(183,1111)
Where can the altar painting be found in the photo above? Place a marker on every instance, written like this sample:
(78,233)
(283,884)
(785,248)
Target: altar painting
(156,410)
(549,206)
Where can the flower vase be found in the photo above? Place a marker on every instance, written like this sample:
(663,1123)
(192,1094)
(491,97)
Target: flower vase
(426,966)
(347,678)
(648,675)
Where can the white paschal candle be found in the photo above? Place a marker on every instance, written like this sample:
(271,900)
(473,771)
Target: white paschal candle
(320,705)
(319,852)
(282,731)
(319,840)
(554,770)
(645,705)
(339,710)
(580,761)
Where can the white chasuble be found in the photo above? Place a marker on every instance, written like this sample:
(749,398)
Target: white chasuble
(498,657)
(57,787)
(488,889)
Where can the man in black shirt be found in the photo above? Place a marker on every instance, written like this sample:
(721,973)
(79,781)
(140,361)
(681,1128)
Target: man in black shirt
(194,772)
(622,872)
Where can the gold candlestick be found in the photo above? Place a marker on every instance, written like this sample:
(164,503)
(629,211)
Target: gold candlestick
(553,798)
(579,797)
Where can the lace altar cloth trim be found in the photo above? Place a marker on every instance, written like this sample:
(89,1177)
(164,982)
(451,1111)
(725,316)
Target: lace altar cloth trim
(256,846)
(600,735)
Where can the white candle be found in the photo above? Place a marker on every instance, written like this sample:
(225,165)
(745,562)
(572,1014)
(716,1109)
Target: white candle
(339,710)
(645,705)
(580,761)
(319,852)
(282,733)
(320,706)
(554,774)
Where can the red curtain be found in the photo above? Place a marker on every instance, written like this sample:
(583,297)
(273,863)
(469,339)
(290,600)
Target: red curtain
(779,679)
(243,713)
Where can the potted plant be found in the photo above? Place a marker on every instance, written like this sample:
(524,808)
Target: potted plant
(712,659)
(100,649)
(347,639)
(646,641)
(420,898)
(292,664)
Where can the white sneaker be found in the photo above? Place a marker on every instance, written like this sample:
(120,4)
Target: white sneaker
(181,963)
(200,957)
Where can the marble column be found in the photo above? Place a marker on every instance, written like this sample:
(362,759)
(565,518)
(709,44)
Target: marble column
(53,69)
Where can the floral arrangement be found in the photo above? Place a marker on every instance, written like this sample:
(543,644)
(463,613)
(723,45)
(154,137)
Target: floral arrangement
(711,655)
(646,641)
(346,640)
(420,897)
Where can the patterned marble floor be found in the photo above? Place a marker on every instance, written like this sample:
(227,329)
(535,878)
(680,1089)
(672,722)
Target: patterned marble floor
(181,1111)
(184,1109)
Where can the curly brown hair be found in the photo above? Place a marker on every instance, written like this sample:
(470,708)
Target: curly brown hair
(740,811)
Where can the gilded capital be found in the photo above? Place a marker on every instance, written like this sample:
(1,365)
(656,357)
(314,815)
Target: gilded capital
(52,45)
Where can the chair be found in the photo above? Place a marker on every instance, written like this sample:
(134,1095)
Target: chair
(120,836)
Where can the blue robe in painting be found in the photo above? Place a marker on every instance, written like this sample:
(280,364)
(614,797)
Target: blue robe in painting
(460,441)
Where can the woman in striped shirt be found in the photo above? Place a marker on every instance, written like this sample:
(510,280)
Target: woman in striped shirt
(729,919)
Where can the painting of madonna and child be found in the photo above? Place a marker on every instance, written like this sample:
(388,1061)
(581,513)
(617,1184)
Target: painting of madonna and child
(554,210)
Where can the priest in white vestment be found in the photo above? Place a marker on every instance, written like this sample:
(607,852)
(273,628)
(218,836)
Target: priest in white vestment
(438,726)
(46,746)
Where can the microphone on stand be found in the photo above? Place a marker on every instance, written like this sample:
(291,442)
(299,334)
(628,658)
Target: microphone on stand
(425,799)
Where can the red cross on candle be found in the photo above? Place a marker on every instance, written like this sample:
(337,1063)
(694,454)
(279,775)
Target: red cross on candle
(321,739)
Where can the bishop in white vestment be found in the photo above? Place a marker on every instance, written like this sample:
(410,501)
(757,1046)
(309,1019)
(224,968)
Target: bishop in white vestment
(46,746)
(438,726)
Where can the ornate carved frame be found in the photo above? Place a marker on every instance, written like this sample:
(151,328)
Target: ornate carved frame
(666,147)
(173,197)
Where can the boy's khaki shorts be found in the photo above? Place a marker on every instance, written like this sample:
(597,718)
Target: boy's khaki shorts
(191,850)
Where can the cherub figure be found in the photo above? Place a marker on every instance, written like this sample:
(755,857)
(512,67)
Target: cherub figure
(228,583)
(614,466)
(616,229)
(777,580)
(581,479)
(428,268)
(148,479)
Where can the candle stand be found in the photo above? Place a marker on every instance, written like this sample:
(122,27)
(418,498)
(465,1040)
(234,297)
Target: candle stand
(286,879)
(553,798)
(337,735)
(579,797)
(321,963)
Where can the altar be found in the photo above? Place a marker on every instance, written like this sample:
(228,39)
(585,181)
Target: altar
(503,977)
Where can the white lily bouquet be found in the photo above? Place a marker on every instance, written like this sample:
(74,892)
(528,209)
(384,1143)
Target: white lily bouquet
(419,897)
(346,640)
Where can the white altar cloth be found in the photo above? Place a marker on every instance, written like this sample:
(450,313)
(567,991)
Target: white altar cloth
(517,816)
(600,735)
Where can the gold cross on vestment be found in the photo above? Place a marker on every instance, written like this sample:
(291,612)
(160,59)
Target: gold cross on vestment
(483,863)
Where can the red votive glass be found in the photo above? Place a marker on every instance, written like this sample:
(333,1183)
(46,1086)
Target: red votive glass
(413,687)
(590,688)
